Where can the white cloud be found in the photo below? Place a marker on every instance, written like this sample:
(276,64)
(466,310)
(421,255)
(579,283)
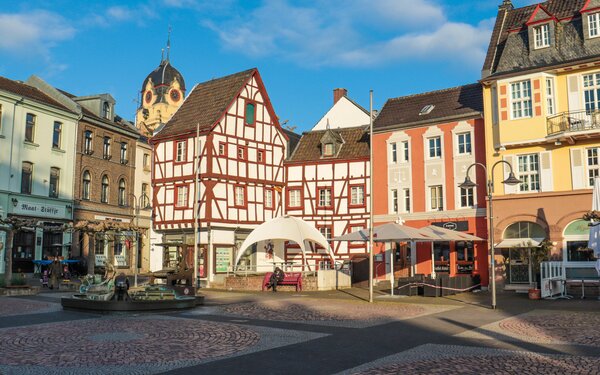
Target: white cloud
(360,33)
(33,33)
(139,14)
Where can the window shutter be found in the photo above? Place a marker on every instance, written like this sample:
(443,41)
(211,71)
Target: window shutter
(577,168)
(574,94)
(546,171)
(510,189)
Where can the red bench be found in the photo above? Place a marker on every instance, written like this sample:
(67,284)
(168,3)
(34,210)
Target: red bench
(292,278)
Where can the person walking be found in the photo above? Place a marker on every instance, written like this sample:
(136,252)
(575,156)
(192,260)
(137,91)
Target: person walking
(55,273)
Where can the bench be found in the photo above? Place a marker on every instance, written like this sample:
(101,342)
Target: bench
(291,278)
(582,276)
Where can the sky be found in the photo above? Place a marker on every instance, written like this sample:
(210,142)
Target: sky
(303,49)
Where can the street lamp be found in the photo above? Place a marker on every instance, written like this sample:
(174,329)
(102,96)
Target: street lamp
(468,184)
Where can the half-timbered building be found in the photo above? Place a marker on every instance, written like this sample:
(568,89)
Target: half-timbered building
(237,158)
(328,180)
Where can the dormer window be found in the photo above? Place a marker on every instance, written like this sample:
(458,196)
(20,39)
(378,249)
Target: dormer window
(542,36)
(594,25)
(106,110)
(427,109)
(328,149)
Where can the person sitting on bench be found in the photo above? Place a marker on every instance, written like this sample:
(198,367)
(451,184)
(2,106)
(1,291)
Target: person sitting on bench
(275,278)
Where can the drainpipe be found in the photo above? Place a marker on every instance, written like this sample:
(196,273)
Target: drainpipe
(12,143)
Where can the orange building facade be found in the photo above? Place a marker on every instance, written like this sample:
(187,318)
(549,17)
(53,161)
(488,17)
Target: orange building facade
(422,146)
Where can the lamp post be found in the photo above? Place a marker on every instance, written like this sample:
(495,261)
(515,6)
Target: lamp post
(142,202)
(468,184)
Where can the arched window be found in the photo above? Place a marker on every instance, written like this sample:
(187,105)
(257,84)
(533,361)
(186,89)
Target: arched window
(524,229)
(122,193)
(104,190)
(85,185)
(576,236)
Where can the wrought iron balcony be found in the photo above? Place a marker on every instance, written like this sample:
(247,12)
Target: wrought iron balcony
(574,121)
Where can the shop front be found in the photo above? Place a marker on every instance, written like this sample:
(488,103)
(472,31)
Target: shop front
(46,237)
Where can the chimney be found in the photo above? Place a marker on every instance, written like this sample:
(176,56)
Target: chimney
(338,94)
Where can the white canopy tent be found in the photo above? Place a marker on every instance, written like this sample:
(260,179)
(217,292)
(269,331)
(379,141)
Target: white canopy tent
(287,228)
(594,242)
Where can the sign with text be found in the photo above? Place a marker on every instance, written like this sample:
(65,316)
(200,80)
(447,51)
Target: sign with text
(461,226)
(120,261)
(40,210)
(100,259)
(223,259)
(464,268)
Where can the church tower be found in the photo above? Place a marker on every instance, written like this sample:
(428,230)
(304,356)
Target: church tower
(162,93)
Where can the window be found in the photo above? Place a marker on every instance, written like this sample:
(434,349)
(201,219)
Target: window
(435,147)
(406,200)
(464,251)
(268,198)
(521,99)
(56,135)
(87,142)
(222,148)
(591,93)
(357,195)
(122,193)
(464,143)
(241,153)
(124,153)
(550,106)
(405,152)
(250,117)
(26,177)
(145,196)
(326,232)
(594,25)
(295,198)
(54,182)
(260,156)
(324,197)
(542,36)
(182,196)
(85,186)
(328,149)
(30,127)
(240,196)
(146,161)
(104,190)
(180,154)
(394,152)
(106,148)
(436,197)
(576,251)
(593,166)
(394,201)
(427,109)
(106,110)
(528,172)
(466,197)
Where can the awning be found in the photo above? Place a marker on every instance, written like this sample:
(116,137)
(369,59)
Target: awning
(443,234)
(387,232)
(520,242)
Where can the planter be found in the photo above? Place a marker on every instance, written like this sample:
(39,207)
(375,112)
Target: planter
(535,294)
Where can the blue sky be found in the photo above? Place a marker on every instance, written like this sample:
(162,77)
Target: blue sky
(303,49)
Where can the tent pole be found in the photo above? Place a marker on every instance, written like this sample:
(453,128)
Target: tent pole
(371,196)
(393,251)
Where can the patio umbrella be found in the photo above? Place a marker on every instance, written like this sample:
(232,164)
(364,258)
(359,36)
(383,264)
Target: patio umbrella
(387,232)
(594,242)
(443,234)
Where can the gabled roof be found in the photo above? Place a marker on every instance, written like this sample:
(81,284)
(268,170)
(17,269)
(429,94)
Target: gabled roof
(30,92)
(355,145)
(206,104)
(449,105)
(509,45)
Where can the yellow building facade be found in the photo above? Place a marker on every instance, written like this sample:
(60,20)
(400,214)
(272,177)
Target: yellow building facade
(541,87)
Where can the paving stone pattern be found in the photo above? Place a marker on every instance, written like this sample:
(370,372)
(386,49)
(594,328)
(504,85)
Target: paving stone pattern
(17,306)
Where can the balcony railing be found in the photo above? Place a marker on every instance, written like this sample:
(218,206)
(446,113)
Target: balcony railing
(573,121)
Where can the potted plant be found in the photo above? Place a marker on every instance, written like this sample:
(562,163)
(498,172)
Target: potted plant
(536,256)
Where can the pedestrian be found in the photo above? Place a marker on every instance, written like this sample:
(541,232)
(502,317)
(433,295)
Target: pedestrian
(55,273)
(276,277)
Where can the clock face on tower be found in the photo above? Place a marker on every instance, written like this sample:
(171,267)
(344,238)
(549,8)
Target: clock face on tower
(148,96)
(175,95)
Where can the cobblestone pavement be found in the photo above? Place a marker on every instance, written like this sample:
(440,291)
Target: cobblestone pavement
(445,359)
(558,327)
(17,306)
(299,334)
(334,312)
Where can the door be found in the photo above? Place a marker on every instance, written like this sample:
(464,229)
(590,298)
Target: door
(360,269)
(519,266)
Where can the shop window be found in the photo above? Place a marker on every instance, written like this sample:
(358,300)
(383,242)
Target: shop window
(441,256)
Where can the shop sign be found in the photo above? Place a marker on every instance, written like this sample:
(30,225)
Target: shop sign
(461,226)
(40,210)
(442,267)
(464,268)
(100,259)
(115,219)
(120,261)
